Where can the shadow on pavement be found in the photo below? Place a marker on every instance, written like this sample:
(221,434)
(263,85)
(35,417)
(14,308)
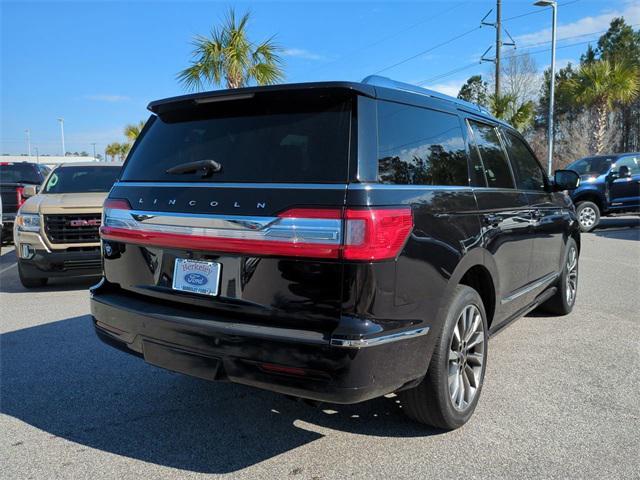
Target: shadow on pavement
(10,283)
(59,378)
(618,228)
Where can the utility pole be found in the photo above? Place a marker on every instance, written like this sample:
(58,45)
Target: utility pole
(498,43)
(37,155)
(94,150)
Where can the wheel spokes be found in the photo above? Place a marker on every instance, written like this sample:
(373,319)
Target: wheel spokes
(466,357)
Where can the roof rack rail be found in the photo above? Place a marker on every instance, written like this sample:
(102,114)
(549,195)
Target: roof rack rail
(379,81)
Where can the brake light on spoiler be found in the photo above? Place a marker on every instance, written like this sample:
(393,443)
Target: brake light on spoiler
(367,234)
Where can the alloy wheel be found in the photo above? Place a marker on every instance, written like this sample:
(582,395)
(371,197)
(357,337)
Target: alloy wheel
(466,357)
(572,275)
(587,217)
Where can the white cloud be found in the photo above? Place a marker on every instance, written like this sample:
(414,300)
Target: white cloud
(101,97)
(448,88)
(302,53)
(585,25)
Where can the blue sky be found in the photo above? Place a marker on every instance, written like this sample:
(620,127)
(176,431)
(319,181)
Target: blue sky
(98,64)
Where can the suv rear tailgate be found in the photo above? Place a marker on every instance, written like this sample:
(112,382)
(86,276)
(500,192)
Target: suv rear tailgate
(276,157)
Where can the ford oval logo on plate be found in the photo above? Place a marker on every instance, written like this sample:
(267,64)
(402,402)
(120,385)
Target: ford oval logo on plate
(195,279)
(196,276)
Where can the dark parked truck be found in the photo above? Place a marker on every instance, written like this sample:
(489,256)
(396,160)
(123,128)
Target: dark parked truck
(14,177)
(609,185)
(332,241)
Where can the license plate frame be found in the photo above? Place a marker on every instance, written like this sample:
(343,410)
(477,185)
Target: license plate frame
(201,277)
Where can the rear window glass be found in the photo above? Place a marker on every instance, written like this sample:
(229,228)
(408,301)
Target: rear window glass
(496,168)
(529,174)
(419,146)
(19,173)
(81,179)
(591,166)
(264,140)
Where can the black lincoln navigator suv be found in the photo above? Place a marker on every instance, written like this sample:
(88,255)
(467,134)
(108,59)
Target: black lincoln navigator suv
(332,241)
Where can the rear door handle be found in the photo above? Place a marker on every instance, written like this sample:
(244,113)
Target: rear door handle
(536,214)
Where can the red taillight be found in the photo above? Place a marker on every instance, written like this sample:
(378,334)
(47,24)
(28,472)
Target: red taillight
(118,203)
(20,199)
(376,233)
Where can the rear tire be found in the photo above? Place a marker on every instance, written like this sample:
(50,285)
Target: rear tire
(588,215)
(458,362)
(28,281)
(564,299)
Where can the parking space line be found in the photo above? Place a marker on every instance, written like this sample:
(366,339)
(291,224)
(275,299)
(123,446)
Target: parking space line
(7,268)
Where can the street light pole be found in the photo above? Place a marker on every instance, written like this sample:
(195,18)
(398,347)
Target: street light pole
(28,134)
(64,151)
(94,150)
(554,6)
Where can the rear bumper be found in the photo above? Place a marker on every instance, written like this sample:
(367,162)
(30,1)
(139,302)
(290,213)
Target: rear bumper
(300,363)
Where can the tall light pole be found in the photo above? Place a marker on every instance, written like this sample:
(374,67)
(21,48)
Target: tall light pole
(28,135)
(554,7)
(94,150)
(64,151)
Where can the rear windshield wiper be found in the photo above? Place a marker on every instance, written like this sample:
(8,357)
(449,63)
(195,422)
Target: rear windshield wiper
(206,168)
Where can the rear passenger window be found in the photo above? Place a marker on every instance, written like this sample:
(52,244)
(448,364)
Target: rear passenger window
(496,167)
(529,174)
(419,146)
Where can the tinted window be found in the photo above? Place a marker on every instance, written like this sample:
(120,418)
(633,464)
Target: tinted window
(19,173)
(591,166)
(495,164)
(290,139)
(418,146)
(81,179)
(529,174)
(632,163)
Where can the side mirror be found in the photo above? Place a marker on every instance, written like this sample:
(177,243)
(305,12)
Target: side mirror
(29,191)
(623,172)
(565,180)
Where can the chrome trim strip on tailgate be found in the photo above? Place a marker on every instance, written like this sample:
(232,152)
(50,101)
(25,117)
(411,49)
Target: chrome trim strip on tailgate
(287,229)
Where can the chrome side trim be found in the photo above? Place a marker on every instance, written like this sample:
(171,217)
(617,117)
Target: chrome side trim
(282,186)
(385,186)
(528,288)
(381,340)
(299,186)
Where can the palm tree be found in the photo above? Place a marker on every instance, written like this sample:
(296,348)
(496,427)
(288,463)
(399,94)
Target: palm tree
(228,56)
(506,107)
(132,130)
(123,149)
(112,150)
(599,85)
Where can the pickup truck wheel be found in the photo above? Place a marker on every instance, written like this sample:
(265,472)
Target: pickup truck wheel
(588,215)
(30,282)
(449,393)
(564,299)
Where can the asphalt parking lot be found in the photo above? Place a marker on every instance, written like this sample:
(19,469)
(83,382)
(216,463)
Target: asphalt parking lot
(560,399)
